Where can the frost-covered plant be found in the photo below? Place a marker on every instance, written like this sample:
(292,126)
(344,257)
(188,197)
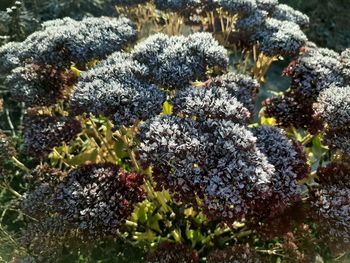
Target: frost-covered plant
(212,103)
(333,106)
(289,163)
(175,61)
(96,199)
(314,71)
(63,42)
(238,6)
(216,159)
(241,86)
(39,85)
(43,132)
(330,205)
(115,88)
(286,13)
(278,37)
(42,183)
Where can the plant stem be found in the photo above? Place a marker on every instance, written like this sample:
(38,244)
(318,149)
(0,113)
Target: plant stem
(20,165)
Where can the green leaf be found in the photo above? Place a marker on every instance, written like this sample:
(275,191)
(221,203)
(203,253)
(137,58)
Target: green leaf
(83,157)
(167,108)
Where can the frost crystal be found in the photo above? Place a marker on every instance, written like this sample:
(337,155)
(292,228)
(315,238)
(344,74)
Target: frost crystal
(175,61)
(267,5)
(315,71)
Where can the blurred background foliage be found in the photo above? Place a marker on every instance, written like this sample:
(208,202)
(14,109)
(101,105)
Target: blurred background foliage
(329,21)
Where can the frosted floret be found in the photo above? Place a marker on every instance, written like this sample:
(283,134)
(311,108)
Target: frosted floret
(174,147)
(237,174)
(42,182)
(175,61)
(216,160)
(214,103)
(39,85)
(115,89)
(283,155)
(9,56)
(243,87)
(316,70)
(252,21)
(331,207)
(238,6)
(279,37)
(333,106)
(70,42)
(286,13)
(267,5)
(96,199)
(43,132)
(338,139)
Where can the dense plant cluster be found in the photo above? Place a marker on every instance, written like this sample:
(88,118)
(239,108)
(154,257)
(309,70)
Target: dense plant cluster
(154,142)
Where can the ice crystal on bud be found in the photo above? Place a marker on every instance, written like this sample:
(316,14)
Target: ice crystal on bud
(174,148)
(252,21)
(338,139)
(214,103)
(97,198)
(175,61)
(315,71)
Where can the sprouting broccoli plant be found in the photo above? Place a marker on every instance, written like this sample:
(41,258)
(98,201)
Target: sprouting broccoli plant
(160,142)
